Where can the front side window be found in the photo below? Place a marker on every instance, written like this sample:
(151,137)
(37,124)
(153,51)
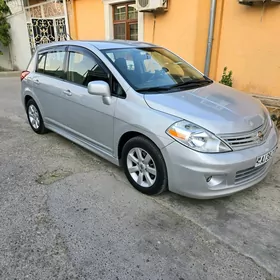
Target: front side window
(125,21)
(83,68)
(154,68)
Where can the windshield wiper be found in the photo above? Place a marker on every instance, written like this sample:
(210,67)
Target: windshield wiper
(193,83)
(151,89)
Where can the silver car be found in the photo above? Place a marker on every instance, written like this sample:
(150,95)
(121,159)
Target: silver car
(144,108)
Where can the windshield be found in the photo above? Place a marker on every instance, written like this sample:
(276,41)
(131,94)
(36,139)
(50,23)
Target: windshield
(148,69)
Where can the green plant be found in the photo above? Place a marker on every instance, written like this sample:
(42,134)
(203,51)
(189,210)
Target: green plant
(5,37)
(226,78)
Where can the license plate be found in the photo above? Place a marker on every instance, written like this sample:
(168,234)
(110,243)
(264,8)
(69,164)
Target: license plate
(265,158)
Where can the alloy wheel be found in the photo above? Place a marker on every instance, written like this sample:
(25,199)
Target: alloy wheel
(141,167)
(33,116)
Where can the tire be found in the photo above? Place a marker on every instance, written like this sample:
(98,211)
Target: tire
(151,170)
(35,118)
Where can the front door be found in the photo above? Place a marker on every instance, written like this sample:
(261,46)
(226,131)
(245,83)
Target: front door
(87,116)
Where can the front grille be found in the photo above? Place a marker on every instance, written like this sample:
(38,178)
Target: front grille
(252,173)
(249,139)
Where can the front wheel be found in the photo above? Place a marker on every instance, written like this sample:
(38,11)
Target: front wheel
(144,166)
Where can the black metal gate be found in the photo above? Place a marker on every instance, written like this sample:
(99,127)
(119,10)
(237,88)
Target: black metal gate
(46,23)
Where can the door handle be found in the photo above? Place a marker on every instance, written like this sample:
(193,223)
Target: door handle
(36,81)
(67,92)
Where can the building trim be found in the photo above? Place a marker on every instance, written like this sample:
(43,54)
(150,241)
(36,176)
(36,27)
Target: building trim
(108,12)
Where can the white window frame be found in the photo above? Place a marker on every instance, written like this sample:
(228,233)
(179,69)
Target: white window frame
(108,17)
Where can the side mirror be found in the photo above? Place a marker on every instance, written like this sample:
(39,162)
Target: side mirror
(100,88)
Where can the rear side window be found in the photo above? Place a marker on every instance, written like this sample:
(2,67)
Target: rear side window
(54,64)
(51,63)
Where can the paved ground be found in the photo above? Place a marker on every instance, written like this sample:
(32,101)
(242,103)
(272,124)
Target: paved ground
(67,214)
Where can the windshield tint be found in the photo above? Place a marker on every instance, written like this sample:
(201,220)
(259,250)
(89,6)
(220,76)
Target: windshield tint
(153,68)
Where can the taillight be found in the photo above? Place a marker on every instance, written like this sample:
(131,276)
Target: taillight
(24,74)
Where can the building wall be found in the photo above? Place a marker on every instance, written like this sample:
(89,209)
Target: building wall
(5,60)
(249,45)
(89,20)
(20,49)
(245,39)
(71,19)
(17,56)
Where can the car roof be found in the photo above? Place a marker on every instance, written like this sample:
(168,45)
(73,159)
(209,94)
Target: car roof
(101,45)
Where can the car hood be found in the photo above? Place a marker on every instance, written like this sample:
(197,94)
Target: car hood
(215,107)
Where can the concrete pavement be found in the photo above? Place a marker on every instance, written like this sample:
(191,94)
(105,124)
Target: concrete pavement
(67,214)
(8,74)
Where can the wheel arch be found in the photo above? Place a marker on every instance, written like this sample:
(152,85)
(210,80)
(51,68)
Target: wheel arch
(159,142)
(28,96)
(126,137)
(26,99)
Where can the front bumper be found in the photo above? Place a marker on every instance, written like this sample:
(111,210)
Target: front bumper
(204,176)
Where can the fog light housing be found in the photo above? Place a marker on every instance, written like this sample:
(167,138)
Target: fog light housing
(208,179)
(215,181)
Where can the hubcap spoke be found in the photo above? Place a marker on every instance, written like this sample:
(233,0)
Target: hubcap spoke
(148,179)
(140,178)
(133,169)
(147,159)
(151,170)
(139,154)
(132,158)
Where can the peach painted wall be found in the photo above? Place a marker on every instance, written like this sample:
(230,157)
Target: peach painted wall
(89,19)
(243,42)
(250,46)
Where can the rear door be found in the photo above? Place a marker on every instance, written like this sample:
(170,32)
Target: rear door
(48,82)
(87,116)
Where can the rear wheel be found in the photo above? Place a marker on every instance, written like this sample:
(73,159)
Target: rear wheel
(144,166)
(34,117)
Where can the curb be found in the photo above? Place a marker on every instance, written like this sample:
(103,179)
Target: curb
(6,74)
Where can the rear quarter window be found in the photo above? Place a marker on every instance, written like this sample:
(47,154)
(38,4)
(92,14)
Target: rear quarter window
(32,64)
(41,63)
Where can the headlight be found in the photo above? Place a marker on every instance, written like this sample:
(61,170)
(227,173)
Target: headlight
(196,138)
